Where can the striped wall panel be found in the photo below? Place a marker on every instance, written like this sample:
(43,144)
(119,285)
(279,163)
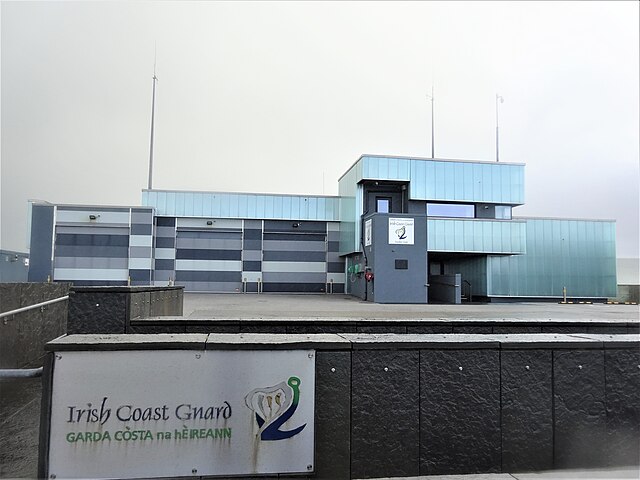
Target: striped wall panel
(209,257)
(252,254)
(91,245)
(141,247)
(294,256)
(164,251)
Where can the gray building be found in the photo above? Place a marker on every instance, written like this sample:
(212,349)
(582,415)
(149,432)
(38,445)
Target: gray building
(401,230)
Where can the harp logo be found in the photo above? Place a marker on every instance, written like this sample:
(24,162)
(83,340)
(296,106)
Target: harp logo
(273,406)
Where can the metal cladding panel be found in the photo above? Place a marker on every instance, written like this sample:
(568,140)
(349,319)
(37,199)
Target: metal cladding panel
(350,209)
(466,181)
(242,205)
(577,254)
(476,236)
(386,168)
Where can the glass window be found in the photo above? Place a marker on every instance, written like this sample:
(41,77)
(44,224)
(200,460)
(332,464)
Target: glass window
(383,205)
(503,212)
(451,210)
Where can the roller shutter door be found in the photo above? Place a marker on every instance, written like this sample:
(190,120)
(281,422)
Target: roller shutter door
(209,260)
(294,257)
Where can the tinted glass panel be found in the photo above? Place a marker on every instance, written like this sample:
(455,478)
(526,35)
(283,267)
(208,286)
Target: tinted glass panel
(383,205)
(503,212)
(450,210)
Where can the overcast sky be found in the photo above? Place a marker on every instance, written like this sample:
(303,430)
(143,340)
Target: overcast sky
(284,97)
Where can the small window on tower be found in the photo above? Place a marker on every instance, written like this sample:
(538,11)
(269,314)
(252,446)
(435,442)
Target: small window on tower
(383,205)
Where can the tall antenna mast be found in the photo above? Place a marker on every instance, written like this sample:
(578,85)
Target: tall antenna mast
(153,111)
(432,127)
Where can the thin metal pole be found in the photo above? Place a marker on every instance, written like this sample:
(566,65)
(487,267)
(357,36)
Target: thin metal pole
(21,372)
(153,111)
(31,307)
(432,124)
(498,97)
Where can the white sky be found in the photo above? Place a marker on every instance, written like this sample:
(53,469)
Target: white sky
(274,97)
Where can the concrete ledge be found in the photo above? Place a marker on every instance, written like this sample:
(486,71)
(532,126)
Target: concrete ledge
(159,341)
(329,341)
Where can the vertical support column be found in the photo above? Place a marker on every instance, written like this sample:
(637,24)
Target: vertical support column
(141,246)
(165,251)
(252,255)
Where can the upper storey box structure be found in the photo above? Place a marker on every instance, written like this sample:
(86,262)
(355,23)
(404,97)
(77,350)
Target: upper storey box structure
(447,188)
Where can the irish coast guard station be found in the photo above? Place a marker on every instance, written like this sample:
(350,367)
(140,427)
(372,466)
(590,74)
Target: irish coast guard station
(401,230)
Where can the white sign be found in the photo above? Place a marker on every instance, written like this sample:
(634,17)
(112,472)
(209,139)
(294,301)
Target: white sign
(133,414)
(401,231)
(367,233)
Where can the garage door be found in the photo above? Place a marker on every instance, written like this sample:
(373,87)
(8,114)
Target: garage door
(209,259)
(294,257)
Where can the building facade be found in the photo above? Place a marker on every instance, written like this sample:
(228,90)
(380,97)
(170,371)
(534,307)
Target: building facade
(401,230)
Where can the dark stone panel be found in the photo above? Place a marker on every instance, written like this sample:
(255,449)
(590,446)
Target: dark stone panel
(460,411)
(10,296)
(166,221)
(207,254)
(293,287)
(333,415)
(293,256)
(327,328)
(255,328)
(564,329)
(213,328)
(157,329)
(622,390)
(516,329)
(527,410)
(388,328)
(141,229)
(430,329)
(97,312)
(139,304)
(9,346)
(579,409)
(607,329)
(337,288)
(165,242)
(385,413)
(472,329)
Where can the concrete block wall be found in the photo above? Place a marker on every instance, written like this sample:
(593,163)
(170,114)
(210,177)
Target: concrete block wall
(408,405)
(23,335)
(110,309)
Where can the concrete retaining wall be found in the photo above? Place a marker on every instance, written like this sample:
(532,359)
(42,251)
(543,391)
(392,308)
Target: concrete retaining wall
(111,309)
(23,335)
(172,324)
(407,405)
